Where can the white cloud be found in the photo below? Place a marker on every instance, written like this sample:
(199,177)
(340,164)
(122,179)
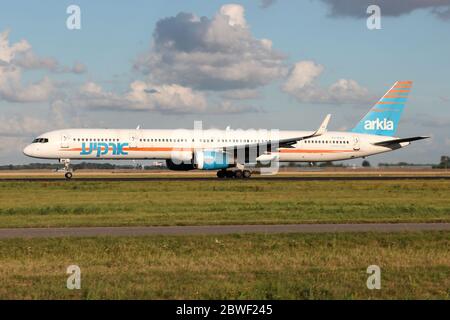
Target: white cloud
(301,83)
(7,52)
(235,14)
(210,54)
(142,96)
(302,75)
(12,89)
(18,57)
(21,126)
(227,107)
(21,55)
(29,60)
(240,94)
(14,58)
(78,67)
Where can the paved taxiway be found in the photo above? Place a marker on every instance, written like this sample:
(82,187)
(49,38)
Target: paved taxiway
(7,233)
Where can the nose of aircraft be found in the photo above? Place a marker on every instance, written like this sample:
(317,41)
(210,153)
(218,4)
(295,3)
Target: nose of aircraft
(28,150)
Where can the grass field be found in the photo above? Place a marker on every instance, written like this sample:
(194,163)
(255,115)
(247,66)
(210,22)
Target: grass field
(256,266)
(294,266)
(170,202)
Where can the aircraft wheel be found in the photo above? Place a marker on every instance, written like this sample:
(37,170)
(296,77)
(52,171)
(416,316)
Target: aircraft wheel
(247,174)
(238,174)
(68,175)
(229,174)
(221,174)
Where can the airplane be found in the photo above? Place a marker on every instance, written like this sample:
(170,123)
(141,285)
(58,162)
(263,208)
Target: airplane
(231,152)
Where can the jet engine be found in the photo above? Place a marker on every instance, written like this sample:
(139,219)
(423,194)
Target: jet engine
(211,160)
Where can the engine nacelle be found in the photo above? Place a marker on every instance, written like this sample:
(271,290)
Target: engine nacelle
(177,166)
(211,160)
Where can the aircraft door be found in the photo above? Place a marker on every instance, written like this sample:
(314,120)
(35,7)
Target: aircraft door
(65,139)
(356,145)
(134,139)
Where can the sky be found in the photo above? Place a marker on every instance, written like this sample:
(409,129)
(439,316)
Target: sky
(246,64)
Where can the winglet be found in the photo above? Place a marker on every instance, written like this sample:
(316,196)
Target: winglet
(323,127)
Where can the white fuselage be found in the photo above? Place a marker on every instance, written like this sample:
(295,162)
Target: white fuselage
(164,144)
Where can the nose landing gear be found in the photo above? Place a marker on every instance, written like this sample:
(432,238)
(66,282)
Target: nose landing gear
(238,174)
(68,175)
(68,172)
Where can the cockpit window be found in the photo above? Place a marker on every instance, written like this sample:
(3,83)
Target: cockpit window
(40,140)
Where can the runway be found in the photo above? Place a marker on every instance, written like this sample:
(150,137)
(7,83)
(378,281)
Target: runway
(211,178)
(9,233)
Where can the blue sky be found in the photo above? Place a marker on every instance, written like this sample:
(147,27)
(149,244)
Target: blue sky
(117,49)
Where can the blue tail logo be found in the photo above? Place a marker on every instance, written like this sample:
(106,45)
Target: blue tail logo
(385,115)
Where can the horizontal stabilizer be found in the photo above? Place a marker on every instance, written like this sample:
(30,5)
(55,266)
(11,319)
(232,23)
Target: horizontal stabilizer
(387,143)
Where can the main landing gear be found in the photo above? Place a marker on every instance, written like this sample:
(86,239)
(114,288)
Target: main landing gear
(238,174)
(68,172)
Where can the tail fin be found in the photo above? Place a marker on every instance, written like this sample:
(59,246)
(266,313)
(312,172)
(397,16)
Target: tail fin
(385,115)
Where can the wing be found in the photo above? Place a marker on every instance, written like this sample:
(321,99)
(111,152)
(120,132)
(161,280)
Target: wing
(388,143)
(253,151)
(289,142)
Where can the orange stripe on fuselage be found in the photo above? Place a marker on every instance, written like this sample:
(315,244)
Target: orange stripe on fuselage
(155,149)
(72,149)
(165,149)
(312,151)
